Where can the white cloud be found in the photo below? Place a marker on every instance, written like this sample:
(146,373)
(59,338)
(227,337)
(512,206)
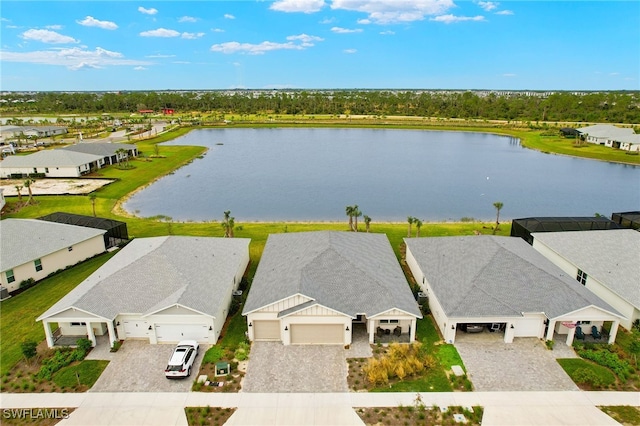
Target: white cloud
(47,36)
(160,32)
(505,12)
(307,40)
(180,62)
(54,27)
(488,5)
(394,11)
(139,68)
(253,49)
(151,11)
(350,51)
(304,6)
(74,58)
(326,21)
(388,32)
(90,21)
(450,19)
(188,19)
(339,30)
(364,21)
(229,16)
(192,36)
(217,30)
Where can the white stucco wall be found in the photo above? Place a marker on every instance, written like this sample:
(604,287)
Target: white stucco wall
(54,261)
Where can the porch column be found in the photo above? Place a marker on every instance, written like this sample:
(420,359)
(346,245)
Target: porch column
(613,331)
(90,334)
(48,334)
(412,334)
(112,333)
(371,330)
(550,330)
(570,336)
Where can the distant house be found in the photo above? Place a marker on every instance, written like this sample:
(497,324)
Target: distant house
(606,262)
(116,231)
(629,142)
(31,131)
(604,134)
(160,289)
(504,284)
(108,151)
(51,163)
(314,288)
(34,249)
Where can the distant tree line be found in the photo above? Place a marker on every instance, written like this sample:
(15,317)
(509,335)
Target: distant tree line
(614,107)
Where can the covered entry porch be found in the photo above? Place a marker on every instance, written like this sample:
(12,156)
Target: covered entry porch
(594,322)
(66,327)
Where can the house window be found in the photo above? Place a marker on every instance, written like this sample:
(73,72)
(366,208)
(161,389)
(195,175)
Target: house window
(70,248)
(78,324)
(10,277)
(46,170)
(582,277)
(38,265)
(35,170)
(389,321)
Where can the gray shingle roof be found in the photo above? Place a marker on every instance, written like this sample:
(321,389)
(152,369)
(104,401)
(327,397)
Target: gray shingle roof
(483,276)
(352,273)
(50,158)
(99,148)
(612,257)
(150,274)
(24,240)
(606,130)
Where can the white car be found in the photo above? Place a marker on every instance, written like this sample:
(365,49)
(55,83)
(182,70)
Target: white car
(182,359)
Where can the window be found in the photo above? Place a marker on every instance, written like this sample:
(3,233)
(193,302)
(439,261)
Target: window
(389,321)
(10,277)
(78,324)
(35,170)
(46,170)
(582,277)
(38,265)
(70,248)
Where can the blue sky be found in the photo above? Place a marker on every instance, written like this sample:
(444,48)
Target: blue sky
(317,44)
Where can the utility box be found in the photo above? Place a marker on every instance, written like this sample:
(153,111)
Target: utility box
(422,298)
(222,369)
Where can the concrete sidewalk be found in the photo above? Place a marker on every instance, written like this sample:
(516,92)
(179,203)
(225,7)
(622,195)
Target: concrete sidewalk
(501,408)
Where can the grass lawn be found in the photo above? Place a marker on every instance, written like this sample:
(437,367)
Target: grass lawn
(84,373)
(587,373)
(624,414)
(18,314)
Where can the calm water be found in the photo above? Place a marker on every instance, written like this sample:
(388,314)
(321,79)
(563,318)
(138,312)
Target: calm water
(312,174)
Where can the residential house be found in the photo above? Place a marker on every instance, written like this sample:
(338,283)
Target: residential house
(606,262)
(506,285)
(604,134)
(160,289)
(109,151)
(315,287)
(34,249)
(51,163)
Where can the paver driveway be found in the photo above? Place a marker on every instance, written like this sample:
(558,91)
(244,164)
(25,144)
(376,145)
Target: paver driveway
(274,367)
(524,365)
(139,367)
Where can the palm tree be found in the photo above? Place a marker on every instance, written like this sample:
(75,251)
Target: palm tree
(356,214)
(225,223)
(367,222)
(19,188)
(92,197)
(349,211)
(411,220)
(27,184)
(418,223)
(498,205)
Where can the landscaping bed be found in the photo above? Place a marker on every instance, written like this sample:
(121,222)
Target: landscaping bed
(420,414)
(214,416)
(623,414)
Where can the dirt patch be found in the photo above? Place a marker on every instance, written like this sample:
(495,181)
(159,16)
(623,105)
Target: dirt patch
(63,186)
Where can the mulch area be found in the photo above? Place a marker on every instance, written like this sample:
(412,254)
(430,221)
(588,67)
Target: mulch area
(420,414)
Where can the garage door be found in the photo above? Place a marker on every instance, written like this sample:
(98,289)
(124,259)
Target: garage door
(136,329)
(529,327)
(319,334)
(266,330)
(173,333)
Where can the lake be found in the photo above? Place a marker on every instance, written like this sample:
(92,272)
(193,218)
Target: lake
(312,174)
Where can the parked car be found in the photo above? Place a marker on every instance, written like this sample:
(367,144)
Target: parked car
(472,328)
(182,359)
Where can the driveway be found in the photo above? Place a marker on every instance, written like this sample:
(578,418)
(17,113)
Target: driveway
(274,367)
(139,367)
(524,365)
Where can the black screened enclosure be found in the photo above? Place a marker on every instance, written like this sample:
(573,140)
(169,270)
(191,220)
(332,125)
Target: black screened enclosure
(116,230)
(524,227)
(627,219)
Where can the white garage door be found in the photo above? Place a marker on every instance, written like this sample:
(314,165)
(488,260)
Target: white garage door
(266,330)
(319,334)
(528,327)
(136,329)
(173,333)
